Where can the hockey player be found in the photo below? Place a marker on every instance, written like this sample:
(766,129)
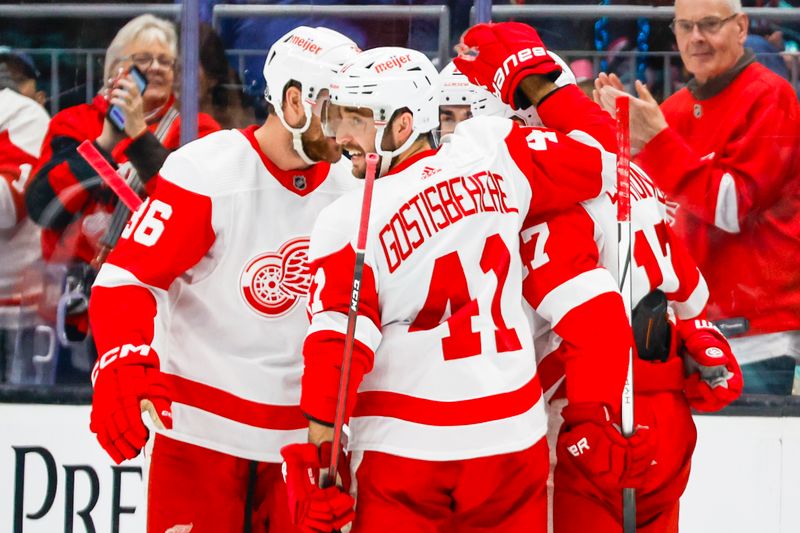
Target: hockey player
(23,124)
(199,311)
(447,420)
(574,299)
(456,94)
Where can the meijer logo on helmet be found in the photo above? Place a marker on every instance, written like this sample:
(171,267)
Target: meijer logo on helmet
(395,62)
(305,44)
(514,60)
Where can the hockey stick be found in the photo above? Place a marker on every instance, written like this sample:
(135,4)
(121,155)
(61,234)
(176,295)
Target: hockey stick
(104,169)
(352,315)
(626,285)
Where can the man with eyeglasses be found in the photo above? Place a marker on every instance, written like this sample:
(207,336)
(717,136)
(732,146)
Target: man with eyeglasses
(724,150)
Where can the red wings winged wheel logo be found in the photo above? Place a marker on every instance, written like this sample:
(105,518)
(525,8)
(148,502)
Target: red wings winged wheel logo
(273,282)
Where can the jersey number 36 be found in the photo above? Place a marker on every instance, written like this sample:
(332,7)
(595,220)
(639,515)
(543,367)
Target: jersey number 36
(147,223)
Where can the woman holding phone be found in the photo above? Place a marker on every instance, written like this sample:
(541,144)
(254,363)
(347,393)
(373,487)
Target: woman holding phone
(134,122)
(72,207)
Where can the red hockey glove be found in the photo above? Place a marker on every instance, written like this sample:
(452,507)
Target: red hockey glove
(714,377)
(593,443)
(507,52)
(315,510)
(124,386)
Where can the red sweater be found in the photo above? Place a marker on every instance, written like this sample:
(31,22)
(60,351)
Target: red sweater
(730,162)
(65,196)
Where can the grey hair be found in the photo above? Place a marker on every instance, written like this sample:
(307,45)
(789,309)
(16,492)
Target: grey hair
(145,27)
(735,5)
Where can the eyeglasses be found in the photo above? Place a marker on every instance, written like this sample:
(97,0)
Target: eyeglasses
(145,61)
(706,25)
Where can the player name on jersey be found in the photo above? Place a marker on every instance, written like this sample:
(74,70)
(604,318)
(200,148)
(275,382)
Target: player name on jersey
(641,187)
(437,207)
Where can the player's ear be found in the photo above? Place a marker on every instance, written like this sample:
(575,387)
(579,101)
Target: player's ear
(293,107)
(402,127)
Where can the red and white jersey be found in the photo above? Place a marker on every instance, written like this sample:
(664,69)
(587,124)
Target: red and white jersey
(443,360)
(211,272)
(572,262)
(23,125)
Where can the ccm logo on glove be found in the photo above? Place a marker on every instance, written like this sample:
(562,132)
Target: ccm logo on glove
(118,353)
(513,60)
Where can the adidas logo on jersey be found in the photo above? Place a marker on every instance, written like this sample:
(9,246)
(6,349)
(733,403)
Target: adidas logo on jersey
(427,172)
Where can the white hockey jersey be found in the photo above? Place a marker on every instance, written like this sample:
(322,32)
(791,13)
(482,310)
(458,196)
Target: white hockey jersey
(574,239)
(211,272)
(442,343)
(23,125)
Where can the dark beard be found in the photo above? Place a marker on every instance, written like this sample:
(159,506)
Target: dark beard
(319,149)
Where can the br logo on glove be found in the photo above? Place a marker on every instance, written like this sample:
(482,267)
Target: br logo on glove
(581,446)
(272,282)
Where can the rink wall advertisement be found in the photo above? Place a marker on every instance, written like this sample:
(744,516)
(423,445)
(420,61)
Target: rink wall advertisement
(55,477)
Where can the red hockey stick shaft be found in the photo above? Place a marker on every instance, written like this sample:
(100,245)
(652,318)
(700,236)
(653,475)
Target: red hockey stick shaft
(352,316)
(626,281)
(107,173)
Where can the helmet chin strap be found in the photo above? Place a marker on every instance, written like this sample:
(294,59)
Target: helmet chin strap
(297,141)
(388,156)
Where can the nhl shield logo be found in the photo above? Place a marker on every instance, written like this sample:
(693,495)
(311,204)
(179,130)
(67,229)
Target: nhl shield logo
(300,183)
(272,282)
(698,111)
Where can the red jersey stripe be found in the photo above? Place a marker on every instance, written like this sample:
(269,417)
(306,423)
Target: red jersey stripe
(455,413)
(227,405)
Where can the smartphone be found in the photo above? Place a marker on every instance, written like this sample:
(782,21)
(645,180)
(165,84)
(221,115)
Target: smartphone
(115,115)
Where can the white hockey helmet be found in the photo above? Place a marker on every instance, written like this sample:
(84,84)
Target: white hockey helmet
(309,56)
(384,80)
(455,87)
(486,103)
(567,76)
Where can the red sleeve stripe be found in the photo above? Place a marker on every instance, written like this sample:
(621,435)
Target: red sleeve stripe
(452,413)
(367,332)
(575,292)
(231,407)
(695,303)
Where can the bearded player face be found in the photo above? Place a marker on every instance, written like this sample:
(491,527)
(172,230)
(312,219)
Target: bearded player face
(318,146)
(354,129)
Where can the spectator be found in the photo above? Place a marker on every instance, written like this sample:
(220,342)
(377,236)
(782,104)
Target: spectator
(220,91)
(65,197)
(23,74)
(23,124)
(730,139)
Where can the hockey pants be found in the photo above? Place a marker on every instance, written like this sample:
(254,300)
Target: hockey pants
(196,490)
(504,493)
(580,506)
